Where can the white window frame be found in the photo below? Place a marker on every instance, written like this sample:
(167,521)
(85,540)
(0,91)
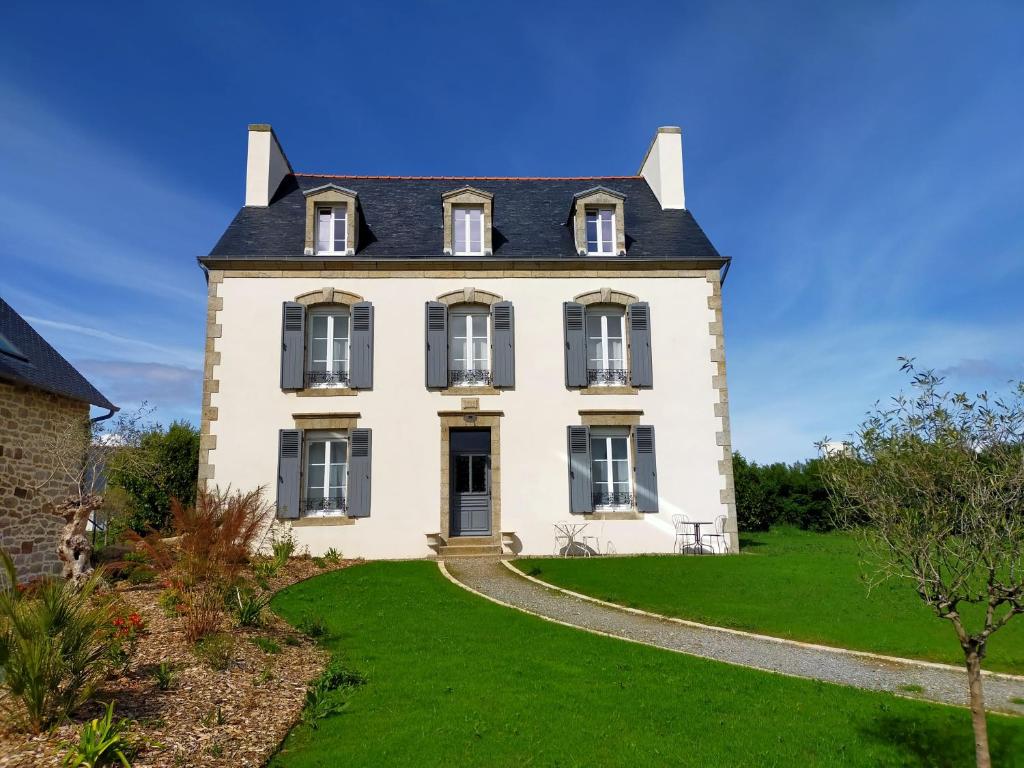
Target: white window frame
(330,313)
(310,438)
(604,247)
(469,229)
(608,434)
(604,313)
(332,228)
(470,317)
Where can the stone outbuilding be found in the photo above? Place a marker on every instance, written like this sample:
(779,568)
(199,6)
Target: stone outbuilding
(41,396)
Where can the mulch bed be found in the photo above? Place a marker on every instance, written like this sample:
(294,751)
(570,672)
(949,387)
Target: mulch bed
(236,717)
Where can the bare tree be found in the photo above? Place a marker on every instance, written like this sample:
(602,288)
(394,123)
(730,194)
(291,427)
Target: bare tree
(81,453)
(934,486)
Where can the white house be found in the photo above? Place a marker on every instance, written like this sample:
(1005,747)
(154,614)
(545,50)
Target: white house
(414,365)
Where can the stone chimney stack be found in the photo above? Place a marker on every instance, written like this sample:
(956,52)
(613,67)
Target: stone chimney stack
(662,167)
(266,166)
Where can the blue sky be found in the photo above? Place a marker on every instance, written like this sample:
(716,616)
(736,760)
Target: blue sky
(862,162)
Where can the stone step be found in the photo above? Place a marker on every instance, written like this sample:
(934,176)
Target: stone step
(470,550)
(471,541)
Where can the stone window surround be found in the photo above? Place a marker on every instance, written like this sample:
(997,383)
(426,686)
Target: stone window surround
(323,421)
(609,296)
(469,296)
(468,196)
(616,418)
(317,298)
(598,197)
(471,418)
(326,195)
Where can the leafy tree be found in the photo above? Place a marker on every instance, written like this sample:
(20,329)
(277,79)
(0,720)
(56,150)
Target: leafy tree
(174,456)
(934,486)
(768,494)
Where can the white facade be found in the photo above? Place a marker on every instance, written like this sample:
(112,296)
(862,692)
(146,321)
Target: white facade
(403,413)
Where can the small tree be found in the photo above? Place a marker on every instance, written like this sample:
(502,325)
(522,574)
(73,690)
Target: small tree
(934,486)
(81,453)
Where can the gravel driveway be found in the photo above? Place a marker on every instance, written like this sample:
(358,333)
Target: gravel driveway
(936,682)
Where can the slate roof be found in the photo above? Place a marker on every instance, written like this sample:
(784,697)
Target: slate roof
(35,363)
(401,219)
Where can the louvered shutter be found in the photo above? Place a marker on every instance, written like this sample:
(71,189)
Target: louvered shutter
(641,370)
(293,345)
(289,472)
(360,371)
(503,343)
(581,493)
(646,470)
(573,324)
(436,344)
(359,453)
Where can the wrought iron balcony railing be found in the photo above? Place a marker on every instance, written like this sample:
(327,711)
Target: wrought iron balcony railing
(324,504)
(601,376)
(477,376)
(617,499)
(326,378)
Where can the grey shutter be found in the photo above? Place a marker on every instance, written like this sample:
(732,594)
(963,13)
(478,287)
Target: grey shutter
(646,470)
(641,371)
(437,344)
(293,345)
(360,365)
(574,326)
(581,492)
(289,472)
(503,342)
(359,450)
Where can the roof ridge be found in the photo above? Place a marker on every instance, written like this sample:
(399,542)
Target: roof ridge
(466,178)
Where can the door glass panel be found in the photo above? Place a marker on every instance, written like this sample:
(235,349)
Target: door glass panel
(479,472)
(462,474)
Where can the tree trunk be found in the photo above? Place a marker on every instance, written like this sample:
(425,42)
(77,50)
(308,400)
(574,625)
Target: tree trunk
(74,548)
(978,711)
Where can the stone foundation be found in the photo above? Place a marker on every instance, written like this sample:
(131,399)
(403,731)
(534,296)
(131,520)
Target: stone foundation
(30,482)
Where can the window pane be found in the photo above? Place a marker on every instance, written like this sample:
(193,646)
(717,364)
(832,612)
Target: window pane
(315,481)
(615,353)
(462,474)
(337,478)
(476,230)
(318,352)
(479,479)
(618,448)
(341,326)
(593,324)
(340,355)
(323,236)
(459,218)
(619,473)
(615,325)
(600,473)
(316,453)
(591,231)
(319,326)
(594,353)
(598,449)
(479,353)
(606,231)
(339,451)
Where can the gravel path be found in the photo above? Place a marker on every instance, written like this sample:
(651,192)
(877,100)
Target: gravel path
(936,682)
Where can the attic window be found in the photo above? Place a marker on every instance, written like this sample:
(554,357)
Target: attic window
(331,229)
(8,348)
(468,225)
(600,230)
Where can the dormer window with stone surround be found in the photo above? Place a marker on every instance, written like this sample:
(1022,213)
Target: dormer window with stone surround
(468,218)
(598,222)
(332,215)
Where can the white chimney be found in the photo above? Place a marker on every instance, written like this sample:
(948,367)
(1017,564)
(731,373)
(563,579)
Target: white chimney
(662,167)
(265,167)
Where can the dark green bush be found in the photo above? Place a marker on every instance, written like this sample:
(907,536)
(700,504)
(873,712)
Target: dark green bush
(787,494)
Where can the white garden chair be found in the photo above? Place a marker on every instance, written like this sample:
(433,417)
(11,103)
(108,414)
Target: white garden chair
(719,535)
(684,534)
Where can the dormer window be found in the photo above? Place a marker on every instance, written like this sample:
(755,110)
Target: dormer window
(600,230)
(468,229)
(332,229)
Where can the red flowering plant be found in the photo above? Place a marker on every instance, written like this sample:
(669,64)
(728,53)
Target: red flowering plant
(125,631)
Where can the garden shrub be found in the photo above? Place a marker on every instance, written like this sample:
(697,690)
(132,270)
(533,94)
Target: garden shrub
(266,645)
(53,646)
(204,611)
(332,556)
(248,607)
(217,651)
(163,673)
(786,494)
(101,742)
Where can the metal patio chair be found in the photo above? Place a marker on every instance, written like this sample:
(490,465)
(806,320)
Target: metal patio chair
(719,535)
(684,534)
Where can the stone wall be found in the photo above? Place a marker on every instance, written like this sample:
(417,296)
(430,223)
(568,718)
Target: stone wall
(29,480)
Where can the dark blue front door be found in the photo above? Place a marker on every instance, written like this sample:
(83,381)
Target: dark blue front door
(470,471)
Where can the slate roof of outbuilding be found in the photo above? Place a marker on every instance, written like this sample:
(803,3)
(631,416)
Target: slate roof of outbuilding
(43,367)
(401,219)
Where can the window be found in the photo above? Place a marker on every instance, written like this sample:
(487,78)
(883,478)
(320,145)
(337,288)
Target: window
(469,348)
(326,474)
(606,363)
(331,229)
(468,224)
(328,348)
(600,230)
(610,468)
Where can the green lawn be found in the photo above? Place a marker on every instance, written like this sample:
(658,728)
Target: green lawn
(453,679)
(788,583)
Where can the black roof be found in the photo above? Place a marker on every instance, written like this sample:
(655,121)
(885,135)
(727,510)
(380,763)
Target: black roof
(401,219)
(28,359)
